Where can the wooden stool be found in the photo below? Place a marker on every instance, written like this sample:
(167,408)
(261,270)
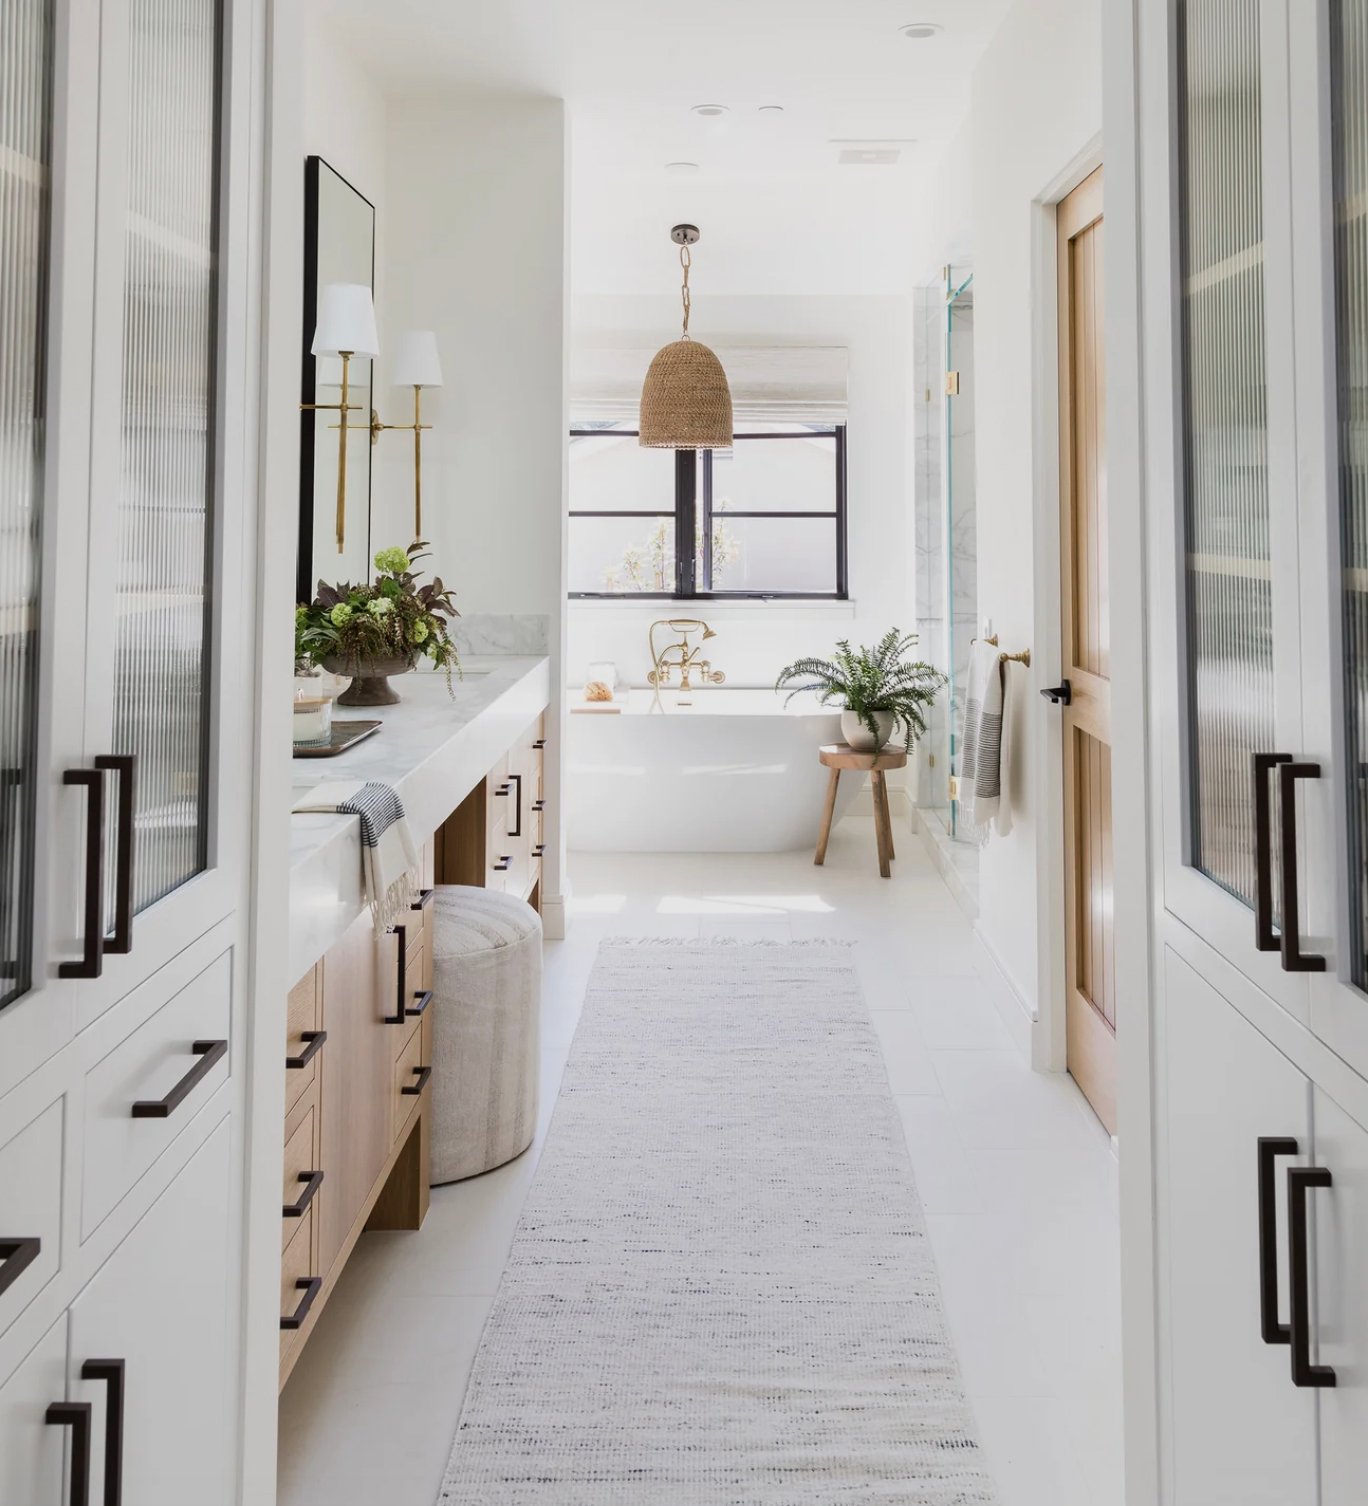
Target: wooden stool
(838,757)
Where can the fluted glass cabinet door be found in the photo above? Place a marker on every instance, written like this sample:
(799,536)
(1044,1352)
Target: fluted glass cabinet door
(1223,302)
(26,82)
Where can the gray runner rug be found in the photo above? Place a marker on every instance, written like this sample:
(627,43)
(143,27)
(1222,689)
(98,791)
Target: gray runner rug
(720,1290)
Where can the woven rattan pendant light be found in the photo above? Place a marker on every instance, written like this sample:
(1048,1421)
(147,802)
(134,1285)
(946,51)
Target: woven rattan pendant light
(686,402)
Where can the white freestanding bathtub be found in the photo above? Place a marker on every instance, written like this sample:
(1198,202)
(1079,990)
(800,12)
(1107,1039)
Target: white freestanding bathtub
(716,770)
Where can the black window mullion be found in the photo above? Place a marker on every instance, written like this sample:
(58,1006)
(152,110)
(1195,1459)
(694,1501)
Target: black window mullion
(707,456)
(686,490)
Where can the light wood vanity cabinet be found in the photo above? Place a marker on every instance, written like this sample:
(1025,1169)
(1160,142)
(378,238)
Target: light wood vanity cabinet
(358,1049)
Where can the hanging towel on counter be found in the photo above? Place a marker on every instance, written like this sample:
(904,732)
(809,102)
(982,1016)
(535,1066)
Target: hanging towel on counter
(982,783)
(388,853)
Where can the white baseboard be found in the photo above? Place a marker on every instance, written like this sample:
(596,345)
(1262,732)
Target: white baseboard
(553,918)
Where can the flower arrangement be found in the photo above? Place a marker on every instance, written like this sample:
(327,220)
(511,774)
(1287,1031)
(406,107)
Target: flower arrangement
(392,618)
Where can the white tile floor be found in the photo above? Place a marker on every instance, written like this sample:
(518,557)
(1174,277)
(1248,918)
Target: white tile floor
(1016,1176)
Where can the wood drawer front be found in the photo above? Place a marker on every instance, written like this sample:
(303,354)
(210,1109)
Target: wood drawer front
(298,1263)
(30,1211)
(301,1163)
(305,1016)
(154,1064)
(407,1067)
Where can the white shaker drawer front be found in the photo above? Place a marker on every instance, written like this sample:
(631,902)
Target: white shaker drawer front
(30,1211)
(150,1086)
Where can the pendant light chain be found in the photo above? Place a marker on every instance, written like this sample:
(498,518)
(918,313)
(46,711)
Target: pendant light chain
(686,261)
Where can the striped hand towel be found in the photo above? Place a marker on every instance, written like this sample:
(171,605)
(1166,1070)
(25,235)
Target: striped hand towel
(980,777)
(388,854)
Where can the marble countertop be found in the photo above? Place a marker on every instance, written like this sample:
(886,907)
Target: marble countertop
(434,748)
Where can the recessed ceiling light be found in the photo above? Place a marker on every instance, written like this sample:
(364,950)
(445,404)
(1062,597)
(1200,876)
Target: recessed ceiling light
(681,169)
(710,110)
(771,109)
(921,31)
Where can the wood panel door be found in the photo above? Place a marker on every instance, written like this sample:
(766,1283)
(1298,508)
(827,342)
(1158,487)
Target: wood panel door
(1086,653)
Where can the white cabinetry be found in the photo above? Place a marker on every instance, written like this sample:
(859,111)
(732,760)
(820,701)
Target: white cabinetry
(127,250)
(1255,346)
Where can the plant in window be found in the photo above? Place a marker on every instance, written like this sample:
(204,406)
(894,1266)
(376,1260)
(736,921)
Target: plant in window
(372,631)
(881,690)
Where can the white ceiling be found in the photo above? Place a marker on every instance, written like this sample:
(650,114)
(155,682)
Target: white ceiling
(777,212)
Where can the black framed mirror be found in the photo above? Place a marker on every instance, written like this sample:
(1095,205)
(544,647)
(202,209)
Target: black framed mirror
(339,246)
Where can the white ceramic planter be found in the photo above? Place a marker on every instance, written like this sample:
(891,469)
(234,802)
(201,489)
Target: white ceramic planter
(857,735)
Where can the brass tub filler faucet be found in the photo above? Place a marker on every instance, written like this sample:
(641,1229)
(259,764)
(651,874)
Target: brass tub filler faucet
(682,655)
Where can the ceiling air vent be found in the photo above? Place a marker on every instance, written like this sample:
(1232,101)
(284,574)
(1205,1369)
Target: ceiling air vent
(869,156)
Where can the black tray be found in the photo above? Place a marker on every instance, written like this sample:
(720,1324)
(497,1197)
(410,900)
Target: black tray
(344,735)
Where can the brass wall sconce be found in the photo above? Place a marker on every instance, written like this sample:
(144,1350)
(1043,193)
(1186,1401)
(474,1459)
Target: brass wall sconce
(346,328)
(416,365)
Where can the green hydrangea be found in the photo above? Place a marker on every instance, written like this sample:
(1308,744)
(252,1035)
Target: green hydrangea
(392,561)
(340,615)
(420,631)
(301,617)
(380,607)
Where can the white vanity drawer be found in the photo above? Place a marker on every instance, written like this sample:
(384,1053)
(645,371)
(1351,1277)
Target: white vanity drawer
(141,1095)
(30,1211)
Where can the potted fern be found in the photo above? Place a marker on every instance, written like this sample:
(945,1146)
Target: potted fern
(880,688)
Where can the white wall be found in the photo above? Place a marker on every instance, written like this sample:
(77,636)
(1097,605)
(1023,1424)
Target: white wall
(1036,113)
(755,639)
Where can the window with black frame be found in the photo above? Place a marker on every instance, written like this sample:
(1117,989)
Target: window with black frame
(766,518)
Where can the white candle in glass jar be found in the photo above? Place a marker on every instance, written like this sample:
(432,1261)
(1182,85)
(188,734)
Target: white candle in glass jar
(312,719)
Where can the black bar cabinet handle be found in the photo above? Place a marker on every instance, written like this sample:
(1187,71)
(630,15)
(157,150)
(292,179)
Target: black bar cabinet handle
(92,923)
(425,898)
(1294,960)
(1265,937)
(503,865)
(310,1286)
(125,766)
(76,1416)
(312,1181)
(539,745)
(539,806)
(503,789)
(517,817)
(539,850)
(1300,1181)
(210,1054)
(1270,1148)
(420,1003)
(314,1040)
(401,983)
(421,1076)
(18,1255)
(111,1372)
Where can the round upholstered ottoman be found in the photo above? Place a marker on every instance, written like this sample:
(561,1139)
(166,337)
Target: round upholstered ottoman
(486,987)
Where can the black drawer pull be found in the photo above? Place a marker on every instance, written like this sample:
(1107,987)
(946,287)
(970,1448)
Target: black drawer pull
(539,806)
(314,1040)
(76,1416)
(503,865)
(1270,1148)
(92,922)
(125,766)
(517,818)
(420,1003)
(1265,937)
(210,1054)
(421,1076)
(312,1180)
(504,789)
(1294,960)
(401,982)
(1300,1181)
(18,1255)
(425,898)
(310,1286)
(539,745)
(539,850)
(111,1372)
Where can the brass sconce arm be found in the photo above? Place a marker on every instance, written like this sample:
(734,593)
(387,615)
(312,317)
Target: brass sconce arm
(417,428)
(343,408)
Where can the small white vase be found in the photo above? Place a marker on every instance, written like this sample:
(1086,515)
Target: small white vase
(857,735)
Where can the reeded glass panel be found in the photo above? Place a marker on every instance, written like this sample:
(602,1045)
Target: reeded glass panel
(1225,430)
(1350,63)
(166,485)
(25,156)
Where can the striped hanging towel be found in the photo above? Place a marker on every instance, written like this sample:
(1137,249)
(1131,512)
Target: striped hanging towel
(388,854)
(980,777)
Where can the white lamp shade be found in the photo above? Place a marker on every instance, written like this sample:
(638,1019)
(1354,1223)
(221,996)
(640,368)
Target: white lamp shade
(416,363)
(346,321)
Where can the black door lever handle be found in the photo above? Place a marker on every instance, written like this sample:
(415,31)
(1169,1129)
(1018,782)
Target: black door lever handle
(1061,694)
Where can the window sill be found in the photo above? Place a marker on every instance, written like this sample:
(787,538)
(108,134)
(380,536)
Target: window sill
(713,606)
